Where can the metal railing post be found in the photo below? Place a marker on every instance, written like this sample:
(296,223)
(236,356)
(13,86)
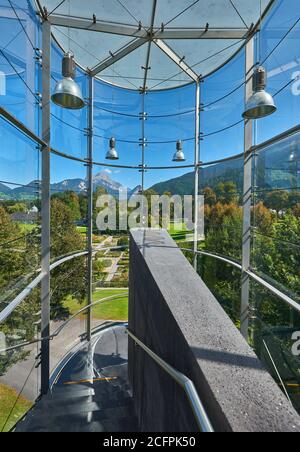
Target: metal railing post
(247,195)
(197,171)
(90,206)
(45,262)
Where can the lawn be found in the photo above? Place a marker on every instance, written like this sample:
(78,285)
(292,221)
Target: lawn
(8,396)
(108,310)
(26,228)
(82,229)
(178,232)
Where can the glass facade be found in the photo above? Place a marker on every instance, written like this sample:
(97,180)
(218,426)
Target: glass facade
(147,125)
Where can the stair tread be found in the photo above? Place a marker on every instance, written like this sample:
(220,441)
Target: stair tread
(104,402)
(105,420)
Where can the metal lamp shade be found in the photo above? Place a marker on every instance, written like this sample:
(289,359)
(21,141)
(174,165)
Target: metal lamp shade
(68,94)
(260,105)
(112,154)
(179,155)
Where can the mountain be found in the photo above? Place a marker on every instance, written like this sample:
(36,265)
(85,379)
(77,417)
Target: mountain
(4,191)
(75,185)
(101,179)
(27,192)
(211,176)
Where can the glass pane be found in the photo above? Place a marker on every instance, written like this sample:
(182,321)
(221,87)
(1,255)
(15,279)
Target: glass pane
(275,217)
(279,54)
(221,122)
(68,127)
(221,185)
(274,331)
(20,206)
(20,69)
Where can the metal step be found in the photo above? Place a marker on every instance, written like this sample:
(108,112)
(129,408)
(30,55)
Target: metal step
(67,421)
(104,402)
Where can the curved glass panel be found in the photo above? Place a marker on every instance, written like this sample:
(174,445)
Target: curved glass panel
(68,127)
(279,54)
(19,62)
(20,206)
(222,96)
(276,244)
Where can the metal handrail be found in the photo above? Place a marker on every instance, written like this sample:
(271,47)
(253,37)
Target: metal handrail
(182,380)
(33,285)
(62,327)
(27,291)
(282,296)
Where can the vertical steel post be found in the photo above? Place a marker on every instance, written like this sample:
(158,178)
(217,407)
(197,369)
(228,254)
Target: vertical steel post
(45,262)
(143,144)
(197,171)
(90,206)
(247,195)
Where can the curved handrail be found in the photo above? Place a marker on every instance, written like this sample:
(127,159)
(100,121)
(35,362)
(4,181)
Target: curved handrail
(288,300)
(21,297)
(33,285)
(182,380)
(63,326)
(27,291)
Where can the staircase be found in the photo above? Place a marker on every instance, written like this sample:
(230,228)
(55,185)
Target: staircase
(89,395)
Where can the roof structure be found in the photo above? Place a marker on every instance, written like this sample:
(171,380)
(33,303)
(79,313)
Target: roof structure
(153,44)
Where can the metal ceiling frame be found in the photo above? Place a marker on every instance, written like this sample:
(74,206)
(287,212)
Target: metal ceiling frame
(139,31)
(147,67)
(166,49)
(120,54)
(151,35)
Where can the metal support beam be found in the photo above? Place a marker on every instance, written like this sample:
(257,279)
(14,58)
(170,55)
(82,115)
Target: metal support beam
(148,57)
(45,264)
(118,56)
(99,26)
(197,172)
(143,145)
(90,207)
(247,196)
(139,32)
(176,59)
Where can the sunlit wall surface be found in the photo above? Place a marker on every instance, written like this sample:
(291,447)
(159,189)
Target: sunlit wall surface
(146,128)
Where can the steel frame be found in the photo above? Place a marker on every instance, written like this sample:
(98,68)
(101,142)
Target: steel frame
(142,36)
(139,31)
(45,262)
(90,206)
(247,194)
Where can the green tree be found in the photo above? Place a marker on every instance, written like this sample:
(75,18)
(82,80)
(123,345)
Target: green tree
(210,197)
(277,200)
(71,200)
(70,278)
(227,193)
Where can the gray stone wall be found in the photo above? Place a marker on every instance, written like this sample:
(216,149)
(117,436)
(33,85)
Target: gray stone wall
(174,314)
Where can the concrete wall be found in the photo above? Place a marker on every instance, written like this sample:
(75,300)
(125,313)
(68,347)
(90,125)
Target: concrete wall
(173,313)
